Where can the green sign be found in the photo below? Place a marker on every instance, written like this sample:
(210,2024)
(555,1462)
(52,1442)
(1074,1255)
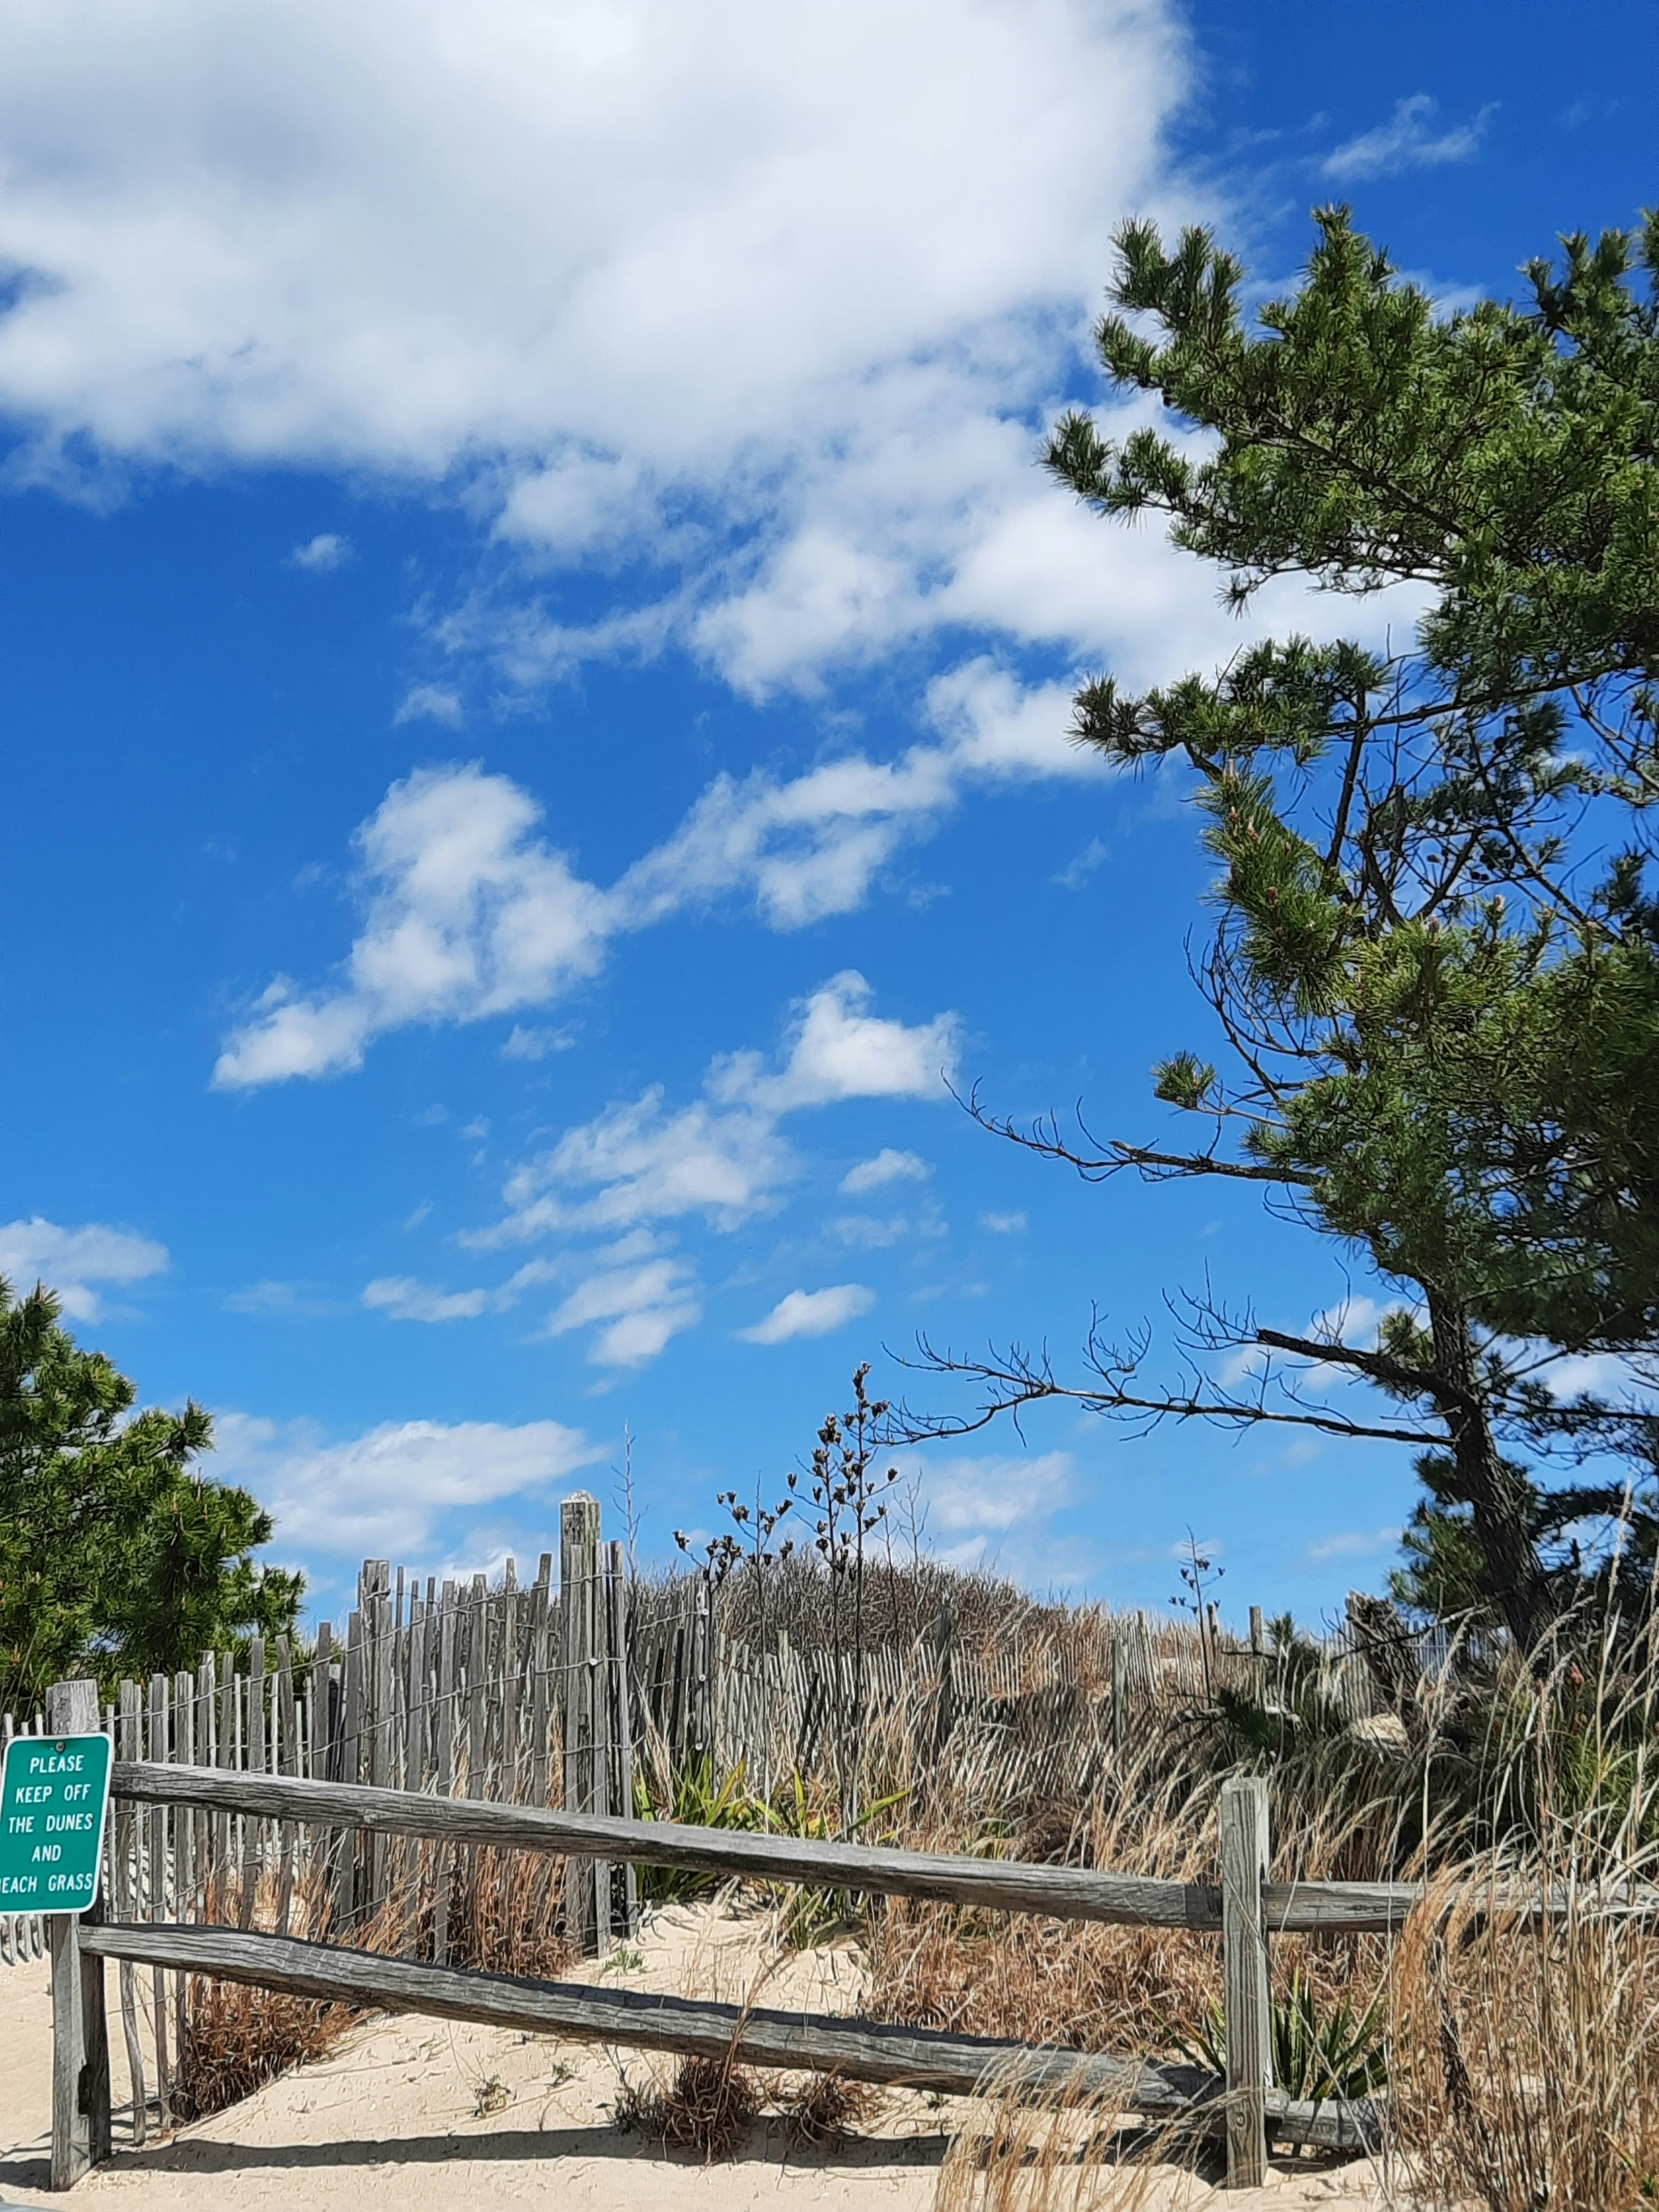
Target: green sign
(53,1798)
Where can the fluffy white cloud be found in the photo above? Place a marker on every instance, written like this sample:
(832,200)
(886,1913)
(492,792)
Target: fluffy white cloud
(635,1163)
(431,702)
(889,1165)
(840,1051)
(1407,140)
(810,1313)
(469,914)
(987,1496)
(383,1493)
(71,1260)
(771,297)
(327,549)
(723,1159)
(1003,1224)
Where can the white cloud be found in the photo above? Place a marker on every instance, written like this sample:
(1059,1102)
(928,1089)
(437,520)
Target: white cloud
(403,1298)
(327,549)
(770,297)
(71,1260)
(382,1494)
(469,914)
(1003,1224)
(965,1495)
(1356,1543)
(840,1051)
(431,702)
(637,1163)
(724,1159)
(889,1165)
(870,1230)
(534,1044)
(271,1300)
(1407,141)
(810,1313)
(645,1305)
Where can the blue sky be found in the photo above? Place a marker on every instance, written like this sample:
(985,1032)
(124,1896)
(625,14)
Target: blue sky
(536,665)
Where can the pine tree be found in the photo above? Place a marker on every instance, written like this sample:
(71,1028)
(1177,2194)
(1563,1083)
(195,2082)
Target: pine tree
(117,1555)
(1437,964)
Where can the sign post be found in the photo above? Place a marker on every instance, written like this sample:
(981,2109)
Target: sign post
(54,1796)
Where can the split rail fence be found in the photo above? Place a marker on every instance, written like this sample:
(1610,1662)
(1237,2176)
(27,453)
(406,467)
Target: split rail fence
(1244,1907)
(458,1770)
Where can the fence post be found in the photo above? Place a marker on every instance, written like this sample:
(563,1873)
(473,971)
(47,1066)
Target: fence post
(1247,2004)
(79,2031)
(578,1576)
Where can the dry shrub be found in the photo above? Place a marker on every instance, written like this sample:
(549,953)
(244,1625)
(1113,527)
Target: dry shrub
(1063,2150)
(237,2038)
(824,2112)
(706,2108)
(1525,1991)
(1086,1986)
(504,1910)
(1526,2066)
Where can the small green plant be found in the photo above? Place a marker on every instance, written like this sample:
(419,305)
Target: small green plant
(816,1914)
(493,2095)
(695,1796)
(1341,2053)
(624,1960)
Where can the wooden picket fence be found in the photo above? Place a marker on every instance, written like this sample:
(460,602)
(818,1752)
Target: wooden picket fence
(1243,1907)
(556,1691)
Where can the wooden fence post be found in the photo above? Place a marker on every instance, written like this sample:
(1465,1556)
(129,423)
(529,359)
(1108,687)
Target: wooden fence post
(1247,2003)
(621,1726)
(79,2031)
(580,1620)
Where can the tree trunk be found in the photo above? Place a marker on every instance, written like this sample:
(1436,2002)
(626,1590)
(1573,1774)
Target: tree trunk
(1515,1574)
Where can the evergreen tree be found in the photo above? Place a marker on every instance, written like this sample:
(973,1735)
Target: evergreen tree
(1437,964)
(117,1555)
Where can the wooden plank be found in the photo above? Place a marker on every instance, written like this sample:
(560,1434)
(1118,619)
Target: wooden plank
(253,1831)
(922,2058)
(286,1716)
(444,1761)
(579,1575)
(80,2036)
(1247,2004)
(182,1753)
(992,1885)
(129,1744)
(158,1875)
(621,1726)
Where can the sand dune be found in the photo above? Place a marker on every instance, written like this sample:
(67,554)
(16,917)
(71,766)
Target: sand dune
(421,2114)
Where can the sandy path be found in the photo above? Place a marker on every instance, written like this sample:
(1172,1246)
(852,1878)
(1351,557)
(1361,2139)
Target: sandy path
(398,2114)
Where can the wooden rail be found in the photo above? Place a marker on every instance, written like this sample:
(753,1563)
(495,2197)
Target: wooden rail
(867,2051)
(993,1885)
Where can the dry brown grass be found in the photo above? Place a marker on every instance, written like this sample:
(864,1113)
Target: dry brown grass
(826,2110)
(1086,1986)
(504,1919)
(1525,2041)
(706,2108)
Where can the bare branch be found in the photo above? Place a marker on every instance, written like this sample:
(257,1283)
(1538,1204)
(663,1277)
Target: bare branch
(1114,1155)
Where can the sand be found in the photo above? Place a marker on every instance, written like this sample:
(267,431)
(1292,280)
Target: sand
(420,2114)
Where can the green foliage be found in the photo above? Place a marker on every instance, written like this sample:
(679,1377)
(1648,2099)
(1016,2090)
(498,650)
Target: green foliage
(1318,2052)
(1289,1710)
(695,1796)
(117,1556)
(1437,960)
